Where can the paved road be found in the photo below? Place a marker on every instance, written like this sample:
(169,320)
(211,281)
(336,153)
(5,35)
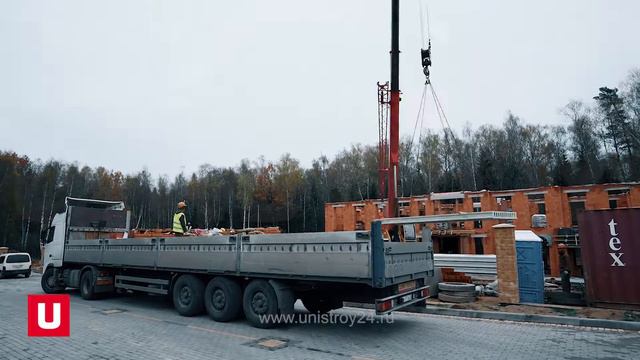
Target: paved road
(146,327)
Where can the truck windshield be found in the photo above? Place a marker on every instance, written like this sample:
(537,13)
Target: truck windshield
(12,259)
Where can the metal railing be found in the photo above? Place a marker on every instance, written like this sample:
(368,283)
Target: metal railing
(483,215)
(569,240)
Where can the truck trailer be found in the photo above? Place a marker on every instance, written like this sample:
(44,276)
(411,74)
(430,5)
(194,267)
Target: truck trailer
(258,276)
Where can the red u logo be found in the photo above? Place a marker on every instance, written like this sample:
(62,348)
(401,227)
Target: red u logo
(48,315)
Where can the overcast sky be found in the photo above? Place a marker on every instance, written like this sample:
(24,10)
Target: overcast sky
(170,85)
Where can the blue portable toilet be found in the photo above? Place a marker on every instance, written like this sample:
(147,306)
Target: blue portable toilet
(530,266)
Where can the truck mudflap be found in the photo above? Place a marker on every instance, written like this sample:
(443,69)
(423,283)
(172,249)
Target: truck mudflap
(398,301)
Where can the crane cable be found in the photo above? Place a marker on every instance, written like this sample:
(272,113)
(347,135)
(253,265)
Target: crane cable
(445,124)
(442,117)
(421,107)
(419,116)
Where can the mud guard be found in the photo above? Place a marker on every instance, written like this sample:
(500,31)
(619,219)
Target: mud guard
(286,297)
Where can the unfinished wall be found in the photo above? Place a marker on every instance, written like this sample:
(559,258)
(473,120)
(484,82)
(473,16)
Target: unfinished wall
(343,216)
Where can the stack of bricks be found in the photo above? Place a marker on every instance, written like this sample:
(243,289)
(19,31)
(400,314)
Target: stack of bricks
(506,261)
(450,275)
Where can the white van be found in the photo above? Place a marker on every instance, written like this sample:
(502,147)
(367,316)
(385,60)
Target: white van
(15,264)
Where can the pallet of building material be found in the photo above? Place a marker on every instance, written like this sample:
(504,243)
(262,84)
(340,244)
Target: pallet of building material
(150,233)
(449,275)
(457,278)
(270,230)
(259,230)
(446,270)
(94,235)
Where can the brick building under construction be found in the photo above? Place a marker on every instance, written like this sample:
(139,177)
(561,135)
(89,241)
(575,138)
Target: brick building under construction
(551,212)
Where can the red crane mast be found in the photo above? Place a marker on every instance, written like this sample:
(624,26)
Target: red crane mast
(394,119)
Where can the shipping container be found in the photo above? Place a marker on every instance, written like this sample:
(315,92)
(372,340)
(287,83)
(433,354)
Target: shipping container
(610,241)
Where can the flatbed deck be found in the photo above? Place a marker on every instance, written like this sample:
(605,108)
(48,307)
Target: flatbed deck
(340,256)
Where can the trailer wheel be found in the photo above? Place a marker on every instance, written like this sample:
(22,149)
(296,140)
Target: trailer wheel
(87,285)
(223,299)
(260,304)
(188,295)
(48,282)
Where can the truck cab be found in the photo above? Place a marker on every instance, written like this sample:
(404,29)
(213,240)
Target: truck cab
(54,242)
(80,218)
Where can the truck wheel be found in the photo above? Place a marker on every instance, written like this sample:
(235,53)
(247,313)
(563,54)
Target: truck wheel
(223,299)
(188,295)
(27,274)
(320,305)
(260,304)
(87,289)
(48,282)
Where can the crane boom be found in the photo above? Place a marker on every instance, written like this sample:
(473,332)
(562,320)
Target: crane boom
(394,120)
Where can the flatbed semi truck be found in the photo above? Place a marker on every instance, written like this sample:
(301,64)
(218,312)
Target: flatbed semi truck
(259,276)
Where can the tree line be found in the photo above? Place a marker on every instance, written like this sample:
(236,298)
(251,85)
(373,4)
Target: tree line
(599,142)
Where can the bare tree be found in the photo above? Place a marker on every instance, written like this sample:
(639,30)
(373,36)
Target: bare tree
(584,141)
(287,180)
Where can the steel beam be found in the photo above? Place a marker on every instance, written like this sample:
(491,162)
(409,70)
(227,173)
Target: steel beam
(483,215)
